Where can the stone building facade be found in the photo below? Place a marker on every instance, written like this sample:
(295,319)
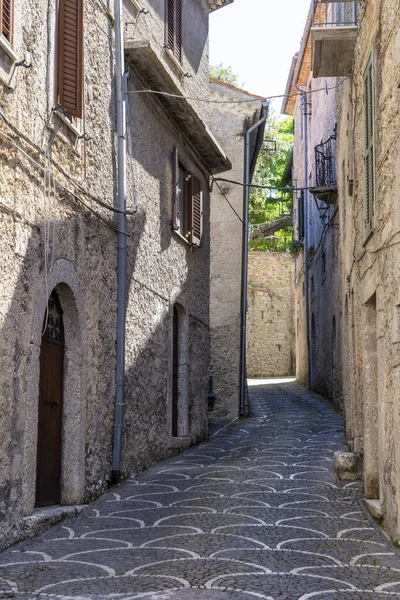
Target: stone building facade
(270,333)
(59,248)
(359,54)
(229,122)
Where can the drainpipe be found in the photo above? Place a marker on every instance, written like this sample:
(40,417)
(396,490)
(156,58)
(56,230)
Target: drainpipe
(245,260)
(304,105)
(121,259)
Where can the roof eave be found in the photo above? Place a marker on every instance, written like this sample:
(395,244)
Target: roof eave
(156,76)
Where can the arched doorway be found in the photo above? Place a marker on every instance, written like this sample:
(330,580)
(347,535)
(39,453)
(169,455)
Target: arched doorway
(48,474)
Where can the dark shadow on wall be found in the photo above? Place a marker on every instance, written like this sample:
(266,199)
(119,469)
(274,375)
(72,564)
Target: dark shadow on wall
(90,246)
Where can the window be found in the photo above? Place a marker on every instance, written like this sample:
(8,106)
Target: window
(6,20)
(69,93)
(173,27)
(187,204)
(369,145)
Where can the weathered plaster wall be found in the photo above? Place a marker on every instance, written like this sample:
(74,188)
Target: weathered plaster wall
(270,333)
(229,124)
(40,219)
(80,262)
(370,267)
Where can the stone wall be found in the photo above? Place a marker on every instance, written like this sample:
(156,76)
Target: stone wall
(270,332)
(55,234)
(363,269)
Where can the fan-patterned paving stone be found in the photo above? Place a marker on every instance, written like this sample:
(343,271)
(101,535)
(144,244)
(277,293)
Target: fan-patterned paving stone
(255,512)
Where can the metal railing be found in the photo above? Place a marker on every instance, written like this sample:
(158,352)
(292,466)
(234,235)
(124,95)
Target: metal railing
(325,163)
(328,13)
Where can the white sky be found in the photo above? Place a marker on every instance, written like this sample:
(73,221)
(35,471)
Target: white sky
(258,39)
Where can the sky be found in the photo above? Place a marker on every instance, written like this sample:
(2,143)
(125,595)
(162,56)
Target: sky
(258,39)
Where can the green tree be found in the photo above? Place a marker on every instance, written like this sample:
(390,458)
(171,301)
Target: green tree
(224,74)
(266,205)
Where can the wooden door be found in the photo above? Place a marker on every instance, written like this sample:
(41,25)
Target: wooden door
(48,476)
(175,371)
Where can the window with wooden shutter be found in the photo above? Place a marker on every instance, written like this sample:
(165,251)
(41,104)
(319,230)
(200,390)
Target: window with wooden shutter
(70,57)
(187,203)
(197,212)
(369,146)
(173,27)
(300,215)
(6,20)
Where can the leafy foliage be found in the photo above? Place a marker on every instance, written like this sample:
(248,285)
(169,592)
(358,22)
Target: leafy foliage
(224,74)
(266,205)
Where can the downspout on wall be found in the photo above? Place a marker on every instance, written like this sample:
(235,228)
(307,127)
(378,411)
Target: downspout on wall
(249,166)
(121,258)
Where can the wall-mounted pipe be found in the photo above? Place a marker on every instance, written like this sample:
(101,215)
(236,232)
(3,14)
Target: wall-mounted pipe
(121,258)
(304,106)
(245,256)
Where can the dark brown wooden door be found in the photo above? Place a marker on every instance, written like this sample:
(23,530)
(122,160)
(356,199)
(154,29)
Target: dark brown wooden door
(48,476)
(175,371)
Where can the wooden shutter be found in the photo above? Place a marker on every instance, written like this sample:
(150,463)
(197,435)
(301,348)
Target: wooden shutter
(369,146)
(197,212)
(173,27)
(176,220)
(70,57)
(6,19)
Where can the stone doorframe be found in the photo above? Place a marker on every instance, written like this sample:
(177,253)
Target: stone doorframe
(64,280)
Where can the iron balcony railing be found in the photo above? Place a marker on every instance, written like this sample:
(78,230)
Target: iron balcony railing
(325,163)
(335,14)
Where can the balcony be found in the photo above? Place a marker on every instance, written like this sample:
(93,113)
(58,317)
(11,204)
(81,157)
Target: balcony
(325,169)
(333,37)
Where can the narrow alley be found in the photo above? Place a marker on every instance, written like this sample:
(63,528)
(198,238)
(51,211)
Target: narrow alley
(256,512)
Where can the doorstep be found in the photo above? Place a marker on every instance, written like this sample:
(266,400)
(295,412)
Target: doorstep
(44,518)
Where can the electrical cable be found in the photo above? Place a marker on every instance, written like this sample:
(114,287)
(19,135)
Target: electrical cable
(63,187)
(263,187)
(224,195)
(209,101)
(38,149)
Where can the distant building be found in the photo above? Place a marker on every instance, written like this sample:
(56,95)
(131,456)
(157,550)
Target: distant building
(229,122)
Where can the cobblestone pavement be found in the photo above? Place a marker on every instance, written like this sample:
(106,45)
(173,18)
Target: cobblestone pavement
(256,512)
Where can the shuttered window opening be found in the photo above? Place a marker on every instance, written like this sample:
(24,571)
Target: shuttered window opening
(173,27)
(187,205)
(6,20)
(70,57)
(369,146)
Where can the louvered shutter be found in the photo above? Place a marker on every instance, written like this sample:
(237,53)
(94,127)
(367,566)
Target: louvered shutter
(70,57)
(6,19)
(197,212)
(176,221)
(173,26)
(369,146)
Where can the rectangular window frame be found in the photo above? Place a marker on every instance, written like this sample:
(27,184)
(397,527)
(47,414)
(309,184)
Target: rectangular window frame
(369,146)
(173,28)
(7,32)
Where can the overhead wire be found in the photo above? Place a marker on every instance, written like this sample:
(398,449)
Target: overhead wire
(58,183)
(40,150)
(210,101)
(224,195)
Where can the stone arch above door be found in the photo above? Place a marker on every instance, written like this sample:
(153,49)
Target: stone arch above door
(64,280)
